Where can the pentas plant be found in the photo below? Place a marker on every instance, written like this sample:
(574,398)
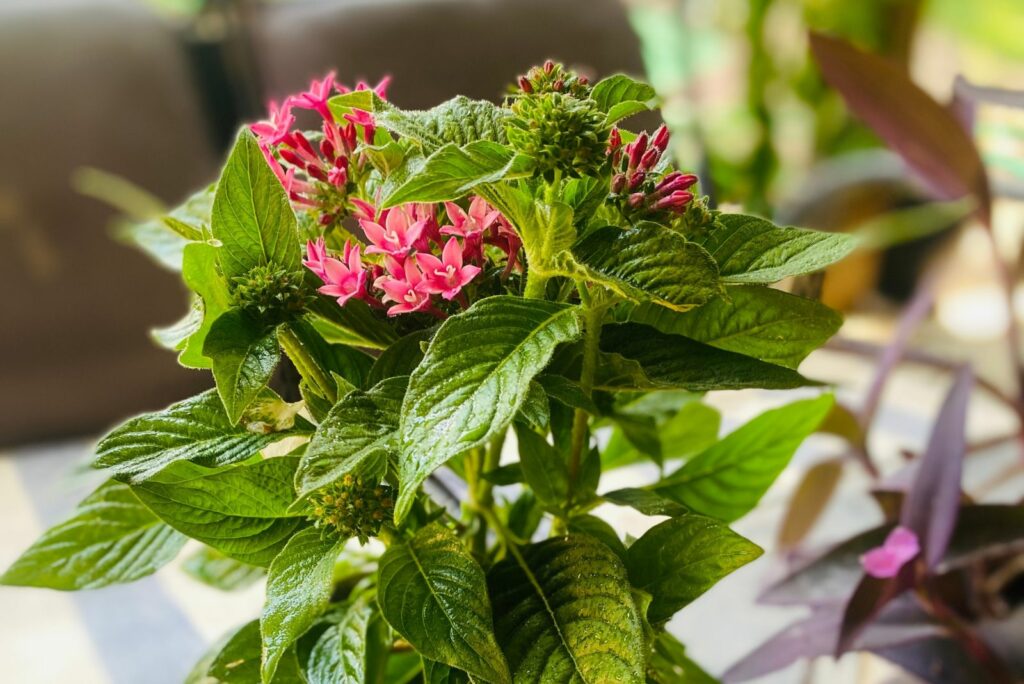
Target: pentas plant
(479,312)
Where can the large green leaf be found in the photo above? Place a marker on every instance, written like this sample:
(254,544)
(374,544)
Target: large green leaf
(196,430)
(650,263)
(350,651)
(755,321)
(355,324)
(475,375)
(749,249)
(213,568)
(729,478)
(564,613)
(547,230)
(691,430)
(239,661)
(648,360)
(543,468)
(111,538)
(241,511)
(212,298)
(298,591)
(244,357)
(251,215)
(357,436)
(453,172)
(679,559)
(669,664)
(433,593)
(401,358)
(621,96)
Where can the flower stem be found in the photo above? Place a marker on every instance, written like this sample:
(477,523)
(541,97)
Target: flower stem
(307,366)
(592,317)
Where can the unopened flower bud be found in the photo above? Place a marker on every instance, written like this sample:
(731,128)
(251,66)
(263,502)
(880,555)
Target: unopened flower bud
(524,85)
(614,140)
(636,179)
(636,149)
(636,199)
(677,201)
(558,85)
(618,183)
(673,182)
(549,66)
(649,159)
(661,137)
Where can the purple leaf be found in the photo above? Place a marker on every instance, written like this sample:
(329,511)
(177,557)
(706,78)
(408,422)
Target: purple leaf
(923,132)
(870,597)
(931,505)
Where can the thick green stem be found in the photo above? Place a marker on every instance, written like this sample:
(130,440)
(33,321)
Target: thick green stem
(481,490)
(592,318)
(307,366)
(536,285)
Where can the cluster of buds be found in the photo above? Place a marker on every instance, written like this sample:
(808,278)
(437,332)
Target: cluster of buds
(554,78)
(641,190)
(318,174)
(271,294)
(561,132)
(412,260)
(352,507)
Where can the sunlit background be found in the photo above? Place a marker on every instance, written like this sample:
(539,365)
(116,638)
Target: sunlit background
(114,109)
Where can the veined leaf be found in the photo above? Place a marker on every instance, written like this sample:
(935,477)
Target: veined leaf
(543,468)
(298,591)
(433,593)
(251,215)
(241,511)
(244,357)
(621,96)
(351,651)
(439,673)
(679,559)
(564,613)
(547,230)
(749,249)
(729,478)
(401,358)
(354,324)
(453,172)
(356,437)
(111,538)
(669,664)
(196,430)
(650,263)
(691,430)
(199,271)
(645,501)
(756,321)
(239,661)
(651,360)
(213,568)
(473,379)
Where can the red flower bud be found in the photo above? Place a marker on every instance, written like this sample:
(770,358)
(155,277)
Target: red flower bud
(636,179)
(636,199)
(661,137)
(548,66)
(292,158)
(304,143)
(674,202)
(636,149)
(327,148)
(614,139)
(618,182)
(673,182)
(558,85)
(649,159)
(525,85)
(315,171)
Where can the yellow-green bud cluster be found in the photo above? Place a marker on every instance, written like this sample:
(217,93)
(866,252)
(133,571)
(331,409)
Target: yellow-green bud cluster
(698,221)
(271,294)
(554,78)
(352,507)
(561,132)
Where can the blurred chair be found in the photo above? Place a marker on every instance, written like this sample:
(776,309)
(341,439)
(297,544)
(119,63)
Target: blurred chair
(105,83)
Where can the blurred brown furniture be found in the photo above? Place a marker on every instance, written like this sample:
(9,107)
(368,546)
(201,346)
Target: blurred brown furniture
(105,83)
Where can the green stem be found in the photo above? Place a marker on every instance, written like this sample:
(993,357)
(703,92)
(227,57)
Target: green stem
(481,490)
(592,317)
(307,366)
(537,283)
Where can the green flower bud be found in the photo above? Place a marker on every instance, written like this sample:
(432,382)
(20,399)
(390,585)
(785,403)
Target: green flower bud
(352,507)
(271,294)
(561,132)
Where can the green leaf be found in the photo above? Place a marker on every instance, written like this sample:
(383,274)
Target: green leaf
(199,271)
(111,538)
(650,360)
(439,673)
(298,591)
(316,359)
(356,437)
(547,230)
(433,593)
(241,511)
(213,568)
(621,96)
(600,530)
(354,324)
(453,172)
(244,357)
(162,244)
(728,479)
(691,430)
(756,321)
(473,379)
(351,651)
(196,430)
(669,664)
(645,501)
(543,468)
(239,661)
(251,216)
(650,263)
(401,358)
(564,613)
(679,559)
(749,249)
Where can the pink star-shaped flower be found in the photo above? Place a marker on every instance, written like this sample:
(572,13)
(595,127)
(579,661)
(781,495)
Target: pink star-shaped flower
(404,292)
(316,254)
(317,96)
(900,547)
(445,276)
(399,236)
(343,278)
(273,132)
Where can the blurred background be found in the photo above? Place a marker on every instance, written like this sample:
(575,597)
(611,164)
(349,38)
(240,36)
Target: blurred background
(115,109)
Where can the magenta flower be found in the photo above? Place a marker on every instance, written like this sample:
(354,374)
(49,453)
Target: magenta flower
(316,254)
(886,560)
(273,132)
(471,225)
(344,278)
(316,97)
(400,235)
(445,276)
(404,291)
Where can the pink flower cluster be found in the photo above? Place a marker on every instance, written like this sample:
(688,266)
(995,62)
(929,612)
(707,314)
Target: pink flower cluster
(636,180)
(418,257)
(316,176)
(900,547)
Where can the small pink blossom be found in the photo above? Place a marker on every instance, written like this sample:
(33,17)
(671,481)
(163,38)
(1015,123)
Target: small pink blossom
(273,132)
(445,276)
(400,235)
(317,96)
(345,278)
(886,560)
(404,291)
(316,254)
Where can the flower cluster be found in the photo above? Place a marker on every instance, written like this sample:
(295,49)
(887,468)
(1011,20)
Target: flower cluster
(318,174)
(353,508)
(415,258)
(641,191)
(554,78)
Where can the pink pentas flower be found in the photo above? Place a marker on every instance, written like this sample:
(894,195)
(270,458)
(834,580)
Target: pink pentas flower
(316,254)
(317,96)
(885,561)
(471,225)
(274,131)
(405,291)
(397,238)
(344,278)
(445,276)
